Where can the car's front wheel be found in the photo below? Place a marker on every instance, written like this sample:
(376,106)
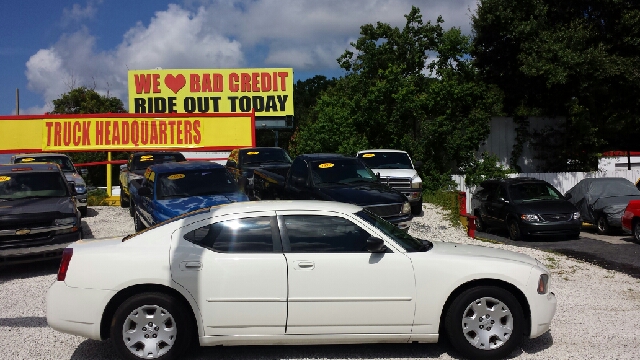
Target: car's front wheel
(485,322)
(151,326)
(416,209)
(603,225)
(514,230)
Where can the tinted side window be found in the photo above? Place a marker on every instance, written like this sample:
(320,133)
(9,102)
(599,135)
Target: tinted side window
(313,233)
(299,170)
(251,235)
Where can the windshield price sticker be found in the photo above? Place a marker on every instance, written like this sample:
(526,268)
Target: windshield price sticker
(368,155)
(27,160)
(175,176)
(253,152)
(325,165)
(146,158)
(4,178)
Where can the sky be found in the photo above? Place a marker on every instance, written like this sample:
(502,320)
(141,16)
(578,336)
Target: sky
(49,47)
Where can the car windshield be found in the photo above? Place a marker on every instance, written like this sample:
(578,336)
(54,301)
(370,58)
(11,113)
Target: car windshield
(260,156)
(386,160)
(533,191)
(64,162)
(144,161)
(23,185)
(195,183)
(408,242)
(340,171)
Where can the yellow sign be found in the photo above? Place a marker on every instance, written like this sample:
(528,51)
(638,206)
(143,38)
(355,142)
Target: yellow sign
(175,176)
(125,132)
(146,158)
(325,165)
(268,92)
(27,160)
(253,153)
(368,155)
(4,178)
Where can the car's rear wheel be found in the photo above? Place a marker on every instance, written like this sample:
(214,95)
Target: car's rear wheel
(603,225)
(138,225)
(514,230)
(485,322)
(124,200)
(416,209)
(151,326)
(636,229)
(480,226)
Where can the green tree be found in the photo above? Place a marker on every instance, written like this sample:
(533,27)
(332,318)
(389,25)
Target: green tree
(576,59)
(83,100)
(395,96)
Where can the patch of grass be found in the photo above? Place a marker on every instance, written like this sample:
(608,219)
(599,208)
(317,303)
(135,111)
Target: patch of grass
(552,262)
(488,240)
(447,200)
(97,198)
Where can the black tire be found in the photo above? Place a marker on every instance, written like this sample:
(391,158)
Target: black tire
(138,225)
(459,322)
(132,208)
(173,333)
(636,229)
(514,230)
(416,209)
(480,226)
(575,236)
(603,225)
(83,211)
(124,200)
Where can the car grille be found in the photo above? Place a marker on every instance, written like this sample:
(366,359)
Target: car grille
(396,182)
(385,210)
(556,217)
(28,240)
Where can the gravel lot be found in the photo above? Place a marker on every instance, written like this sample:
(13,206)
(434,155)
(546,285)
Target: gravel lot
(596,317)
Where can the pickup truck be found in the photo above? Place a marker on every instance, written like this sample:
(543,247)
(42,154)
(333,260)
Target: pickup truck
(135,168)
(69,171)
(171,189)
(242,163)
(38,212)
(334,177)
(396,169)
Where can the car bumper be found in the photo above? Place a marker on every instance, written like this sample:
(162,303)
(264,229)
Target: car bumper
(543,307)
(40,252)
(81,200)
(76,311)
(414,195)
(551,228)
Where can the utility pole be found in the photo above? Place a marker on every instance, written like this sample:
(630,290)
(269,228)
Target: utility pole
(17,101)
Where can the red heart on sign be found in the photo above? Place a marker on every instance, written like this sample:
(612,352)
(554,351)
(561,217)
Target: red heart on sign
(175,83)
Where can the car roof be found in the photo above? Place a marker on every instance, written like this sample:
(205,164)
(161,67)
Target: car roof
(281,205)
(262,148)
(143,153)
(381,150)
(38,154)
(184,166)
(32,166)
(510,181)
(324,156)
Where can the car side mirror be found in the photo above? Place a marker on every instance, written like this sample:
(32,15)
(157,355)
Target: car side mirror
(144,191)
(417,164)
(72,188)
(376,245)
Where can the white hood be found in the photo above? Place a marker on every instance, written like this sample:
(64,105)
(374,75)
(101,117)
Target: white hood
(397,173)
(476,251)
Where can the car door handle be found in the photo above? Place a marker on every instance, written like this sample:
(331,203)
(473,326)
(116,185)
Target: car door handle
(305,265)
(191,265)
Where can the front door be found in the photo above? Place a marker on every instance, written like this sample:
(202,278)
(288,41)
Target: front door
(336,286)
(236,272)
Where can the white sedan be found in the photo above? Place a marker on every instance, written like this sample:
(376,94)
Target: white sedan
(295,272)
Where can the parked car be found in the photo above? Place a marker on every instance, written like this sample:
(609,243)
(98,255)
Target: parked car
(38,215)
(631,219)
(136,166)
(525,207)
(396,169)
(334,177)
(295,272)
(242,162)
(70,172)
(171,189)
(602,201)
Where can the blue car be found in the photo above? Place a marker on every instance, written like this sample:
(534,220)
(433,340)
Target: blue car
(172,189)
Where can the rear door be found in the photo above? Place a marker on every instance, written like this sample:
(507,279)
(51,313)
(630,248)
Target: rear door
(235,270)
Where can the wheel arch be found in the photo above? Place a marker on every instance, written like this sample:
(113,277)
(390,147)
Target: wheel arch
(122,295)
(519,295)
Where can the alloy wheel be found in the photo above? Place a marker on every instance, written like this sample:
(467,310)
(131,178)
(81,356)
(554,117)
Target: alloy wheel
(487,323)
(149,331)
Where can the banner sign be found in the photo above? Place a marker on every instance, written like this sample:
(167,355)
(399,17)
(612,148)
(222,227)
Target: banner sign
(124,132)
(268,92)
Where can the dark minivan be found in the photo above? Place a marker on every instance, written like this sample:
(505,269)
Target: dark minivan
(38,212)
(525,207)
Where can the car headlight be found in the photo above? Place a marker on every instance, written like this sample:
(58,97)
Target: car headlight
(576,216)
(81,189)
(65,221)
(543,284)
(416,185)
(406,208)
(530,217)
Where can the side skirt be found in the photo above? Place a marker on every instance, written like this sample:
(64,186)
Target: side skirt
(237,340)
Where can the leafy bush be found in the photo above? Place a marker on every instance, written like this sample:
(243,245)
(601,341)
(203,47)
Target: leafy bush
(447,200)
(97,197)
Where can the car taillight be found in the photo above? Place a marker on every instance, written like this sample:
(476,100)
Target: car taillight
(64,264)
